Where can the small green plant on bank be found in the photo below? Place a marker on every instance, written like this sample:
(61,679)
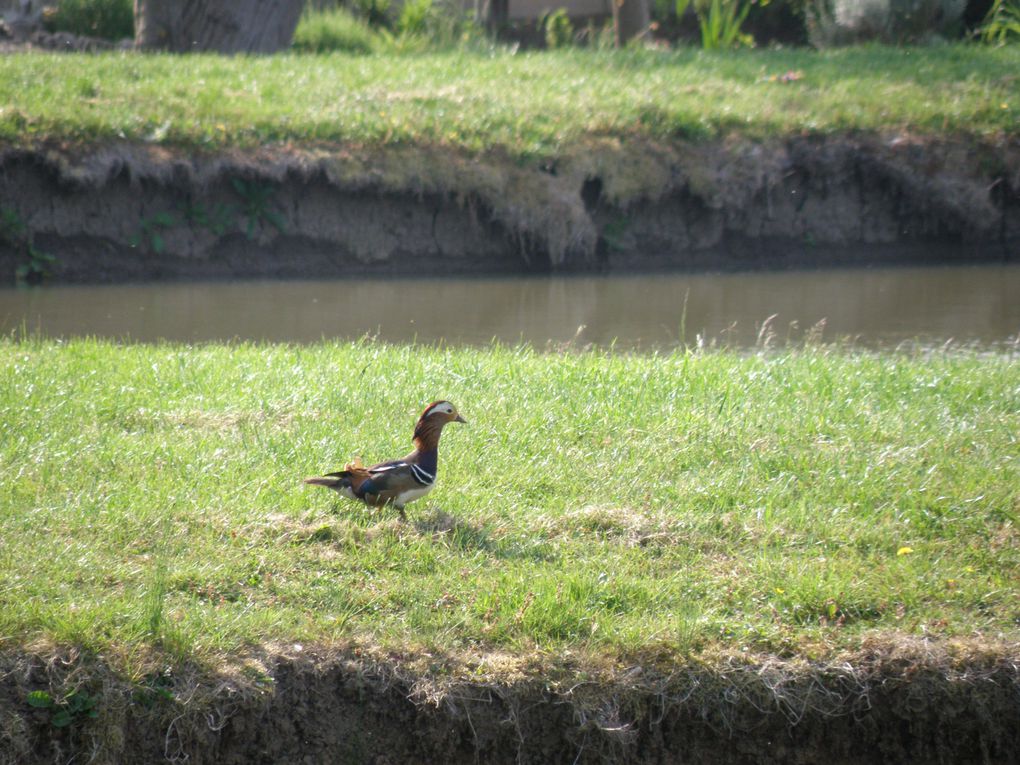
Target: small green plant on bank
(217,219)
(720,22)
(74,708)
(614,231)
(258,206)
(38,267)
(12,228)
(154,688)
(150,234)
(108,19)
(558,31)
(14,233)
(1002,24)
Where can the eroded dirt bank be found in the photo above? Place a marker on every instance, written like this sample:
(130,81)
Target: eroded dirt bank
(123,212)
(919,702)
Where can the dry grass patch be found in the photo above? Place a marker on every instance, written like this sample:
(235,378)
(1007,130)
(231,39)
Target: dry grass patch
(630,526)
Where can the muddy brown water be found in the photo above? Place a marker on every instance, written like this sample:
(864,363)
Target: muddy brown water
(876,307)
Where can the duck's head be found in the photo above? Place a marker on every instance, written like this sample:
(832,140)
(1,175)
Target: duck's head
(431,423)
(440,412)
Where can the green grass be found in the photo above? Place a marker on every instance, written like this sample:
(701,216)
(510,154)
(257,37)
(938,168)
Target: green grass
(793,502)
(534,103)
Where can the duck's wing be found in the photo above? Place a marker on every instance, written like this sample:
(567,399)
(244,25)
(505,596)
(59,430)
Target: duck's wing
(389,480)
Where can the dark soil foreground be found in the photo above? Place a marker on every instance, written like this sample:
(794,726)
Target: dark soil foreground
(916,703)
(130,212)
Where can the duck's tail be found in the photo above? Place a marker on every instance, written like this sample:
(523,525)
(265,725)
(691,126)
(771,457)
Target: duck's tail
(344,481)
(330,481)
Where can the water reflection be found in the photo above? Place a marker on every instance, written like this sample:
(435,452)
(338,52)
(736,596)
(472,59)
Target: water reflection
(877,306)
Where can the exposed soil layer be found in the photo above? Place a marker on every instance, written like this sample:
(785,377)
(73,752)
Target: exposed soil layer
(919,703)
(130,212)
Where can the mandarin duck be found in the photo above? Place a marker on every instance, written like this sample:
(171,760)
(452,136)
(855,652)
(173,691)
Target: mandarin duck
(397,482)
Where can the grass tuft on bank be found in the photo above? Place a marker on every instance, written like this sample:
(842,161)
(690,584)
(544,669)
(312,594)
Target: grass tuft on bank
(521,103)
(791,503)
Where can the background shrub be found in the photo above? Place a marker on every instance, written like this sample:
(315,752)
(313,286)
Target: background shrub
(557,28)
(377,26)
(336,29)
(768,22)
(777,21)
(416,16)
(108,19)
(845,22)
(1002,24)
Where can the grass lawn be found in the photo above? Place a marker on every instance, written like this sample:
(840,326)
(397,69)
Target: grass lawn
(526,104)
(791,502)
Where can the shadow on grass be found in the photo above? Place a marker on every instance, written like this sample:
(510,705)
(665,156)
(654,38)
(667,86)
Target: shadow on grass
(358,525)
(468,536)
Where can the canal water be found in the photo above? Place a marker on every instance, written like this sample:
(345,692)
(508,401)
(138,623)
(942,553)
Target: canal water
(879,307)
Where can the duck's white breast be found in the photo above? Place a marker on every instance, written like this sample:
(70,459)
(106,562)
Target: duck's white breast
(411,495)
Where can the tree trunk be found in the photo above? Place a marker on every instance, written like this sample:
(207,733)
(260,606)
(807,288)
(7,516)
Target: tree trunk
(495,14)
(224,26)
(21,17)
(630,20)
